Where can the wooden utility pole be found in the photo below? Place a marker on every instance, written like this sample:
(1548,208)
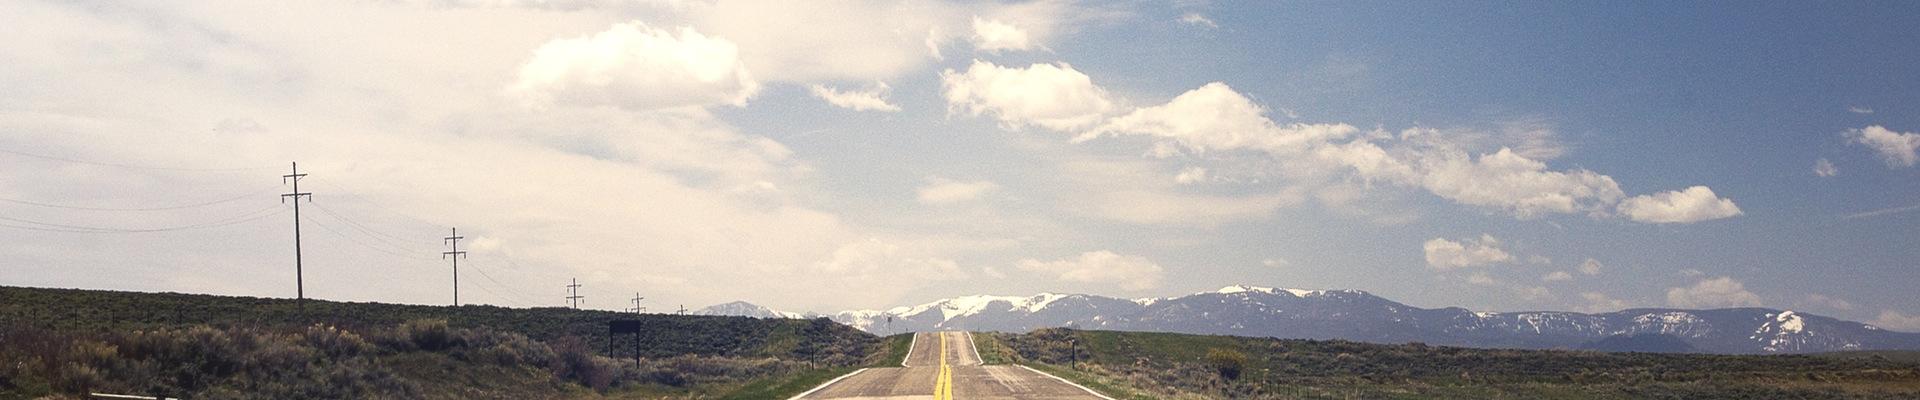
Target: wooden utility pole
(456,255)
(636,309)
(573,293)
(299,280)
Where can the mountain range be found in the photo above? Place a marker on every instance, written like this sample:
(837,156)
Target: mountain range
(1360,316)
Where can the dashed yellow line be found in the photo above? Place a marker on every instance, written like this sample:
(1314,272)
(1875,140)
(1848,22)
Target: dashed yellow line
(943,385)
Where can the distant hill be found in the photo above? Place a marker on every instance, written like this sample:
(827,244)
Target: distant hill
(1641,343)
(1361,316)
(1183,366)
(65,341)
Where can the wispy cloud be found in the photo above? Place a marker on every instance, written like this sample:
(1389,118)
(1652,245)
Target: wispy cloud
(1880,212)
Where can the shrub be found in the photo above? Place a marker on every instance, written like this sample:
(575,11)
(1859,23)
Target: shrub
(1228,363)
(575,362)
(427,334)
(334,342)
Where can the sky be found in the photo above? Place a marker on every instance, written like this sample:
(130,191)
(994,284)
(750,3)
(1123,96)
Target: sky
(835,155)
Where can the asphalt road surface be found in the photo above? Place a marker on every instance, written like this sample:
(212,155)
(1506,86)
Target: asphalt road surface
(944,366)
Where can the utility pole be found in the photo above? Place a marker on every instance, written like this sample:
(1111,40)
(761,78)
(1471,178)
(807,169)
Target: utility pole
(573,293)
(636,304)
(456,254)
(682,311)
(299,280)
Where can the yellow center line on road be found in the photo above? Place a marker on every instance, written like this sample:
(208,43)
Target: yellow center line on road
(943,385)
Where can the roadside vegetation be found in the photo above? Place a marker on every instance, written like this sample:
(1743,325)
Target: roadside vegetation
(1177,366)
(66,343)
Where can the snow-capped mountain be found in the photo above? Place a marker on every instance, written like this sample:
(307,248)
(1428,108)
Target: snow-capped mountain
(1360,316)
(745,309)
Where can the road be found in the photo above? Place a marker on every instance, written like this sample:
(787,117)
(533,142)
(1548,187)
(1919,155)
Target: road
(945,366)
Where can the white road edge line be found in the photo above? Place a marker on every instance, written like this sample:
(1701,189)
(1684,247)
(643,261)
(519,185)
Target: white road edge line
(913,340)
(976,349)
(830,383)
(1064,380)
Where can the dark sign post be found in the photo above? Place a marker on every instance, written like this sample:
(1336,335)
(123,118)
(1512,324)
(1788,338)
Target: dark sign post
(619,326)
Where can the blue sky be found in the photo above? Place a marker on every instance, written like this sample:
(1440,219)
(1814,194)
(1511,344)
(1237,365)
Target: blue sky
(837,155)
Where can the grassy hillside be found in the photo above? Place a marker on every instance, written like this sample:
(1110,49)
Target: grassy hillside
(55,341)
(1159,365)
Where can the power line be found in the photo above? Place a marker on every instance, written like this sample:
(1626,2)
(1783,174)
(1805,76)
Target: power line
(522,297)
(128,166)
(384,238)
(350,239)
(349,192)
(178,207)
(54,227)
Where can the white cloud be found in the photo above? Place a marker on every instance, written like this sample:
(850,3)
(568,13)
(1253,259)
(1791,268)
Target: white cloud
(993,36)
(1591,267)
(1557,276)
(1859,110)
(1721,292)
(634,66)
(1052,96)
(1482,279)
(1694,204)
(1896,148)
(875,256)
(872,98)
(1128,272)
(1533,293)
(1600,302)
(1895,320)
(1197,19)
(1443,254)
(1191,175)
(1215,117)
(1692,273)
(1275,262)
(943,191)
(1834,303)
(1518,184)
(1823,168)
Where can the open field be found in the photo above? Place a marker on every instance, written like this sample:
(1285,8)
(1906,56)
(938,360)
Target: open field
(67,342)
(1159,365)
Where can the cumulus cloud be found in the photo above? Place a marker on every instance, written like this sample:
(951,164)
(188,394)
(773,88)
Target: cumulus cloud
(1557,276)
(1215,117)
(1823,168)
(1895,320)
(872,98)
(993,36)
(1721,292)
(1523,186)
(1128,272)
(878,256)
(1898,149)
(635,66)
(1591,267)
(943,191)
(1600,302)
(1191,175)
(1052,96)
(1694,204)
(1443,254)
